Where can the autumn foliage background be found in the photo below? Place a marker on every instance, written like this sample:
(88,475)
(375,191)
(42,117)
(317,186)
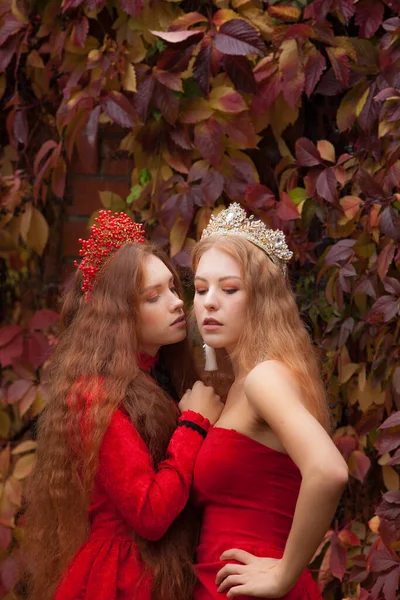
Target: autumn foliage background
(290,108)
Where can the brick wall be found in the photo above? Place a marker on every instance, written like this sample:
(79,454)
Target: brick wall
(111,171)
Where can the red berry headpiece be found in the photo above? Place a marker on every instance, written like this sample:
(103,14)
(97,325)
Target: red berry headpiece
(110,232)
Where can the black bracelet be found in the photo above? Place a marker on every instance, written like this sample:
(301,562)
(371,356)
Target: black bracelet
(193,426)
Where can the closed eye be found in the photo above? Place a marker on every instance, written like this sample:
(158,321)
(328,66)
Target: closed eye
(230,291)
(200,292)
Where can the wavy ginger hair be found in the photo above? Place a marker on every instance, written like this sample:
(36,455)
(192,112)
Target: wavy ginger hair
(274,329)
(99,343)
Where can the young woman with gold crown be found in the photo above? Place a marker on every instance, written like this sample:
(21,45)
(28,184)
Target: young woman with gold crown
(106,517)
(268,477)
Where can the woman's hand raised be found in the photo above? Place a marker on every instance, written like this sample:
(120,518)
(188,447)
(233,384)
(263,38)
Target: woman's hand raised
(202,399)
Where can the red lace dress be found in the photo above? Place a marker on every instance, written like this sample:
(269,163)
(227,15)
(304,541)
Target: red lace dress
(247,493)
(130,496)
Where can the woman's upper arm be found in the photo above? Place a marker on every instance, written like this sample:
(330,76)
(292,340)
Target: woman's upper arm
(275,397)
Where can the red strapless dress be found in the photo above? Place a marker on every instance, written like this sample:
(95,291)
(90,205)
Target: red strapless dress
(247,493)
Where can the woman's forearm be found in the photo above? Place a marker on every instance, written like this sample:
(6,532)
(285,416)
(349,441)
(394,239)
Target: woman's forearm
(315,508)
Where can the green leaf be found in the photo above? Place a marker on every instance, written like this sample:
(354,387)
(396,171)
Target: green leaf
(144,177)
(297,195)
(136,190)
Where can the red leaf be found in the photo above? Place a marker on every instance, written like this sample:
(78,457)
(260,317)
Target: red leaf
(346,7)
(369,15)
(268,92)
(7,52)
(338,560)
(36,349)
(240,73)
(342,250)
(143,96)
(313,69)
(119,109)
(44,319)
(326,185)
(13,347)
(392,421)
(359,465)
(392,286)
(8,333)
(171,80)
(285,209)
(132,7)
(10,26)
(167,103)
(208,141)
(385,260)
(45,149)
(369,186)
(386,308)
(390,223)
(259,197)
(80,31)
(307,154)
(382,559)
(17,390)
(202,68)
(87,140)
(340,64)
(239,38)
(387,442)
(187,20)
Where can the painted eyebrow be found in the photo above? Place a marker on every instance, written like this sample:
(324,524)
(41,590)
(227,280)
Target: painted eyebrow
(155,286)
(221,278)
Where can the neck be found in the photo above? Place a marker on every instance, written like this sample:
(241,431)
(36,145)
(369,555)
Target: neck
(238,371)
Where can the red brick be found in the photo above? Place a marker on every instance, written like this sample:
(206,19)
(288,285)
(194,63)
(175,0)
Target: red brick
(114,161)
(72,231)
(84,193)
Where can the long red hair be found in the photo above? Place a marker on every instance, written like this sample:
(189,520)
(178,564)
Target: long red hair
(99,342)
(274,329)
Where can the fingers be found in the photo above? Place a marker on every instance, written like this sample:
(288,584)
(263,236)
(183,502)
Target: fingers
(239,555)
(229,570)
(232,580)
(239,590)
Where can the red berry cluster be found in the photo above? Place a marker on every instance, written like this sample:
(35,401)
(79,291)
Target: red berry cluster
(108,234)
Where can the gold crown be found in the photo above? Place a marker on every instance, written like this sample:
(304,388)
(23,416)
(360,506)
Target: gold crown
(234,221)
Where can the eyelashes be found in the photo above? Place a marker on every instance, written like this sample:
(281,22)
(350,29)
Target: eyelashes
(230,291)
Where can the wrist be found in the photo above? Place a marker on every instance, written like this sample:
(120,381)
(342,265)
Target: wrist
(196,418)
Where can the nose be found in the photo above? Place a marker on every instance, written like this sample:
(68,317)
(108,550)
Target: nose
(176,303)
(210,301)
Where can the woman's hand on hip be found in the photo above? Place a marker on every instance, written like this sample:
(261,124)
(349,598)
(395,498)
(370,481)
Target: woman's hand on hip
(256,577)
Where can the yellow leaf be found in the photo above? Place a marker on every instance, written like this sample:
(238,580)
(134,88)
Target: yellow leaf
(17,13)
(196,110)
(26,446)
(282,115)
(360,104)
(129,83)
(38,232)
(384,459)
(24,466)
(350,205)
(390,478)
(202,218)
(112,201)
(177,236)
(373,524)
(326,150)
(362,378)
(35,60)
(25,222)
(347,372)
(370,395)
